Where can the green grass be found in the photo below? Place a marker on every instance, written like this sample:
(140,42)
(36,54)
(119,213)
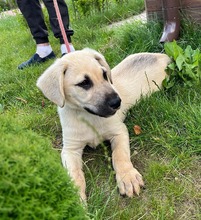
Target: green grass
(167,152)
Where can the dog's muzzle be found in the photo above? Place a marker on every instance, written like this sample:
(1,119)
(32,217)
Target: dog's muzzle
(108,107)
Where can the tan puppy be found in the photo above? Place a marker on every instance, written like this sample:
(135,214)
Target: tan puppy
(92,102)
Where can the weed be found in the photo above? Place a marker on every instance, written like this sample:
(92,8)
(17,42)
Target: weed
(185,67)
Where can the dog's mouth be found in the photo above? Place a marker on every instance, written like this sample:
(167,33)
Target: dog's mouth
(107,109)
(101,114)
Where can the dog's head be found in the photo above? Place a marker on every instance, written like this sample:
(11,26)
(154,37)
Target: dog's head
(81,79)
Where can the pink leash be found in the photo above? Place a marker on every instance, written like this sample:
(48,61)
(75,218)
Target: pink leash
(61,25)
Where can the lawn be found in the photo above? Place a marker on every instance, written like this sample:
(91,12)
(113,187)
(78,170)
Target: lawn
(166,152)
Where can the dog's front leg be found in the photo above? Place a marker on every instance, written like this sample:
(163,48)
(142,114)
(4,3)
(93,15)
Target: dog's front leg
(72,161)
(129,180)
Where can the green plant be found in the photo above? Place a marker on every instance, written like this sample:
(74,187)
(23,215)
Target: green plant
(185,67)
(33,185)
(84,7)
(7,5)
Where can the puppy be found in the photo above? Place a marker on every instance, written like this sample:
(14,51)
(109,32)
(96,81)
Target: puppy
(92,101)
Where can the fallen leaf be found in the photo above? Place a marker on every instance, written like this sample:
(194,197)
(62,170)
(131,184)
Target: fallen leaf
(137,129)
(43,104)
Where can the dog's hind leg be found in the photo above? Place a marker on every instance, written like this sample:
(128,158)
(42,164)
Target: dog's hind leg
(139,75)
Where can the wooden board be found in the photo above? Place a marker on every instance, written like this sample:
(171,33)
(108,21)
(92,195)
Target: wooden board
(190,9)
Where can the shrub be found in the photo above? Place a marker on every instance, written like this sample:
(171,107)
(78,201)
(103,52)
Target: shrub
(33,184)
(7,5)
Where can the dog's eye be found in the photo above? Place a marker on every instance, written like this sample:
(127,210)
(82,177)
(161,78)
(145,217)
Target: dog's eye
(86,83)
(105,75)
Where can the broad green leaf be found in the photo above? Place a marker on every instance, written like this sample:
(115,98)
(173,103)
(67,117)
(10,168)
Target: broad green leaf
(179,61)
(195,55)
(169,49)
(171,66)
(172,49)
(188,52)
(177,50)
(168,83)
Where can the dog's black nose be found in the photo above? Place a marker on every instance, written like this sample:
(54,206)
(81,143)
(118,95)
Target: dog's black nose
(114,102)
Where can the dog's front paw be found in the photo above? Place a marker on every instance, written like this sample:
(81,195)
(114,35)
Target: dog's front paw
(129,182)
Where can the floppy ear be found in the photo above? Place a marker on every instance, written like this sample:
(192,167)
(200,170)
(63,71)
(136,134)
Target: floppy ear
(51,82)
(101,59)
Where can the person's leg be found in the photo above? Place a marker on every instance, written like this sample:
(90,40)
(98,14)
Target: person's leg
(55,24)
(32,12)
